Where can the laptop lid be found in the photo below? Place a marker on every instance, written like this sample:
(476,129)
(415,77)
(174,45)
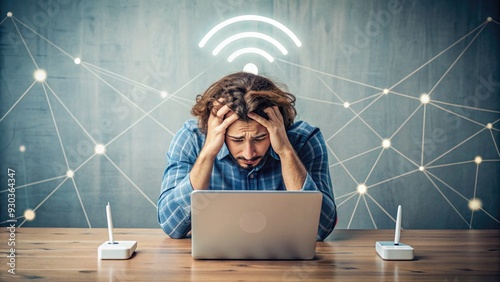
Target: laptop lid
(254,224)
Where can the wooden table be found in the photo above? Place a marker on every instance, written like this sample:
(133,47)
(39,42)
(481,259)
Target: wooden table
(68,254)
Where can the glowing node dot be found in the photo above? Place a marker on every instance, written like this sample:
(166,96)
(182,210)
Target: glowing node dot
(424,98)
(489,126)
(164,94)
(386,143)
(22,148)
(78,61)
(346,105)
(9,14)
(489,19)
(475,204)
(478,160)
(40,75)
(70,173)
(100,149)
(386,91)
(361,188)
(251,68)
(29,214)
(421,168)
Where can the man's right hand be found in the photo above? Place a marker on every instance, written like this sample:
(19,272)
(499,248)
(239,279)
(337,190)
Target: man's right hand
(216,131)
(216,134)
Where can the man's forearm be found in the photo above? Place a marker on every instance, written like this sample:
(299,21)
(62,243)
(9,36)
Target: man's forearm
(294,172)
(202,171)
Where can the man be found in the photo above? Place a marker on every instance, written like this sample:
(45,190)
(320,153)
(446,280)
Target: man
(244,138)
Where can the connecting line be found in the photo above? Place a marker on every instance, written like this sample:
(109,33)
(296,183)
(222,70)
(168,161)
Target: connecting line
(41,36)
(381,208)
(458,193)
(475,192)
(329,74)
(25,45)
(81,202)
(447,200)
(35,183)
(370,213)
(354,211)
(345,168)
(374,165)
(456,146)
(56,126)
(354,117)
(130,180)
(5,18)
(46,198)
(458,115)
(132,103)
(423,136)
(71,114)
(354,157)
(392,178)
(434,102)
(405,122)
(18,100)
(119,77)
(435,57)
(456,60)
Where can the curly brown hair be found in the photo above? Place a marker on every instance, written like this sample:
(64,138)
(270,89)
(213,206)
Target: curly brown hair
(244,93)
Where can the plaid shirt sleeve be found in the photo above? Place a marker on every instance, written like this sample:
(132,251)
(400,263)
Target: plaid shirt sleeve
(314,155)
(174,203)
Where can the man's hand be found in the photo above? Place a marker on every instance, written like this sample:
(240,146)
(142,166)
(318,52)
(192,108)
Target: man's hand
(276,128)
(217,125)
(293,171)
(216,131)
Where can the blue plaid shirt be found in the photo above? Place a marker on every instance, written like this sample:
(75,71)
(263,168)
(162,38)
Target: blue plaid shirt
(174,203)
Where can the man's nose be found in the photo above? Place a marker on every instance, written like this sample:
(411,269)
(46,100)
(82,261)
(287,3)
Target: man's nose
(248,151)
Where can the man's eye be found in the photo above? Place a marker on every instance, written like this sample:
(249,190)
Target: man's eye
(237,140)
(259,140)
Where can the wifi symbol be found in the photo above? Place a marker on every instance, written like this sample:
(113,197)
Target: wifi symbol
(257,35)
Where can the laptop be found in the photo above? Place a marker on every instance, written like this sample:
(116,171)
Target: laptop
(239,224)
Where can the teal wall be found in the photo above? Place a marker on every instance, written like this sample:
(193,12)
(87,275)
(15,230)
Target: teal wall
(351,51)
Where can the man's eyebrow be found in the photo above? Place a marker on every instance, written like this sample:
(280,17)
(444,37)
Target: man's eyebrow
(260,136)
(242,137)
(236,137)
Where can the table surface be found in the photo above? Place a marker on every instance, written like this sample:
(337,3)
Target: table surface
(70,254)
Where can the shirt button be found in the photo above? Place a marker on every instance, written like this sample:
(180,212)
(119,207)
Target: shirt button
(252,176)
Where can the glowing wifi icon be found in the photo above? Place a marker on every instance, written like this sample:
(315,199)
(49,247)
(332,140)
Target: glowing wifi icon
(257,35)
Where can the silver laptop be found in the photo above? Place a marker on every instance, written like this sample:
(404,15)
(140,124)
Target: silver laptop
(254,224)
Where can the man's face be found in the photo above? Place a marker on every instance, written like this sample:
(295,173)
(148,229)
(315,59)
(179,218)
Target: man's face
(247,142)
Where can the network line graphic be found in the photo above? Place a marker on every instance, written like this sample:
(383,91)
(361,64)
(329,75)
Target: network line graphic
(359,192)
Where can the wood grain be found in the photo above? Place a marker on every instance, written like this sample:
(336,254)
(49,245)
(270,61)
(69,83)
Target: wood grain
(67,254)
